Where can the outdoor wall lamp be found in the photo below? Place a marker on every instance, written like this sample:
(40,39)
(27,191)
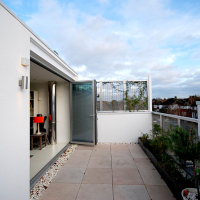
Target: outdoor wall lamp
(25,61)
(24,82)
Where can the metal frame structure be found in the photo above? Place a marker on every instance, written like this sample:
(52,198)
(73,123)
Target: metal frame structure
(149,106)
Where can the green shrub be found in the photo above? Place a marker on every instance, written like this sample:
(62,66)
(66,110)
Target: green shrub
(158,140)
(175,140)
(186,145)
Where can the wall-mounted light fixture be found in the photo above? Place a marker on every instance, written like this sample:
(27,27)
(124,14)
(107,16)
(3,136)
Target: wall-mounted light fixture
(24,82)
(25,61)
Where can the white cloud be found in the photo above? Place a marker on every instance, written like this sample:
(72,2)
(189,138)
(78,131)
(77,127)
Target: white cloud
(79,69)
(169,60)
(103,1)
(146,38)
(196,55)
(123,72)
(16,2)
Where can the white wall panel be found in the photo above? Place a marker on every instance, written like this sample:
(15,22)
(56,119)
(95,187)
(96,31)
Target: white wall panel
(63,112)
(15,43)
(123,127)
(14,107)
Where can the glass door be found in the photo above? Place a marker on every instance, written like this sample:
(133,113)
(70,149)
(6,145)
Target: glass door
(83,112)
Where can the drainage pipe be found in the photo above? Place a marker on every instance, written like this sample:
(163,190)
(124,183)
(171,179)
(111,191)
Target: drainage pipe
(52,113)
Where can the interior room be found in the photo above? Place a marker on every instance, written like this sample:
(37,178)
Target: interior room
(42,118)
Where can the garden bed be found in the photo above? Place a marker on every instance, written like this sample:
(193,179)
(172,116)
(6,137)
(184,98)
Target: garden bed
(175,189)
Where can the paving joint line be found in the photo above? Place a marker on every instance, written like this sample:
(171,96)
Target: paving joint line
(84,173)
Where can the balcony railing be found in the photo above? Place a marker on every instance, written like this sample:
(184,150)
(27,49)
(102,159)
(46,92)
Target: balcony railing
(165,120)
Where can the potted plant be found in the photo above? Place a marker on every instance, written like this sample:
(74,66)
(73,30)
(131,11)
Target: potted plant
(189,194)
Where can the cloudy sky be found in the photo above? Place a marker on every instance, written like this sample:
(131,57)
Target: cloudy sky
(122,39)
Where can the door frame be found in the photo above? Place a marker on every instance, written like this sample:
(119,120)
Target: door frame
(93,114)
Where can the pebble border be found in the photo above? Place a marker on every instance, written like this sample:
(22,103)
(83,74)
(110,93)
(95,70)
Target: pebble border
(37,191)
(117,143)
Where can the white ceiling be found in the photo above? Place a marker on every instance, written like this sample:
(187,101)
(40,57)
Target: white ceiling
(40,75)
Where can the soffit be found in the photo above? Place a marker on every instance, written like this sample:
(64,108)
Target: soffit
(40,75)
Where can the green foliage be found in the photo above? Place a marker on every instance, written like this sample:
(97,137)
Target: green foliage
(163,110)
(179,141)
(157,130)
(185,144)
(144,137)
(145,140)
(138,101)
(159,144)
(160,141)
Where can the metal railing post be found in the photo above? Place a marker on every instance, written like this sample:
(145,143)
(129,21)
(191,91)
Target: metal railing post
(149,94)
(179,122)
(101,98)
(124,93)
(198,113)
(161,119)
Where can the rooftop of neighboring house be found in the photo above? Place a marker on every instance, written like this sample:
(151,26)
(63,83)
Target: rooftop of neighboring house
(191,101)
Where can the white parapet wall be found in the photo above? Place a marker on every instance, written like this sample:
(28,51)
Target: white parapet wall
(123,127)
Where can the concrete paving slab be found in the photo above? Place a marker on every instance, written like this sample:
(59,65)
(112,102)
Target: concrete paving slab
(76,162)
(101,154)
(138,150)
(125,163)
(104,174)
(95,192)
(84,147)
(102,147)
(61,191)
(98,176)
(119,147)
(138,154)
(160,192)
(100,163)
(144,163)
(81,154)
(130,192)
(127,177)
(69,175)
(134,146)
(121,154)
(151,177)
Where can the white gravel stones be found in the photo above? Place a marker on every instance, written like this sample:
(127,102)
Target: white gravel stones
(117,143)
(45,180)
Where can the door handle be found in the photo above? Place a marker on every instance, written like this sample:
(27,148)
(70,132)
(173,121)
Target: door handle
(94,117)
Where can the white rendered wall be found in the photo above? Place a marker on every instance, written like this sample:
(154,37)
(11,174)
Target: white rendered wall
(62,112)
(14,107)
(16,41)
(42,89)
(123,127)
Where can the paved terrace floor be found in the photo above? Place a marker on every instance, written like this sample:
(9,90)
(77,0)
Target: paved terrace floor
(108,172)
